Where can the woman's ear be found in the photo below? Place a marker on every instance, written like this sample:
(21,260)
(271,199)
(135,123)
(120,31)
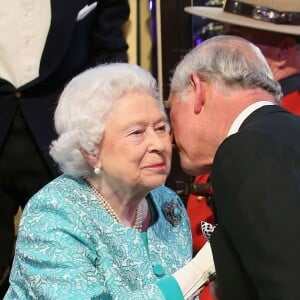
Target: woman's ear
(91,158)
(197,84)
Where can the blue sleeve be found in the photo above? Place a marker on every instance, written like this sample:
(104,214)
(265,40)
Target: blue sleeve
(170,288)
(54,258)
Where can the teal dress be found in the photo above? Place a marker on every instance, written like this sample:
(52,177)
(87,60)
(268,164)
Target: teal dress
(69,247)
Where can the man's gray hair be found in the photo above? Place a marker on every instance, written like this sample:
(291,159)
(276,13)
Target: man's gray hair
(228,62)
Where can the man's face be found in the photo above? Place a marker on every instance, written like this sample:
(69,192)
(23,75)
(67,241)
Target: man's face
(256,36)
(188,134)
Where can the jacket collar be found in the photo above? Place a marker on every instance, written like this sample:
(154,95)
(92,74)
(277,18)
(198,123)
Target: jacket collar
(290,84)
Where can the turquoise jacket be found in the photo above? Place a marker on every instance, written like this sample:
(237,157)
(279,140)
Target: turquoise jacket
(69,247)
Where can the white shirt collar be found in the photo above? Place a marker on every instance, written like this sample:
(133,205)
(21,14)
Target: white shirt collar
(244,114)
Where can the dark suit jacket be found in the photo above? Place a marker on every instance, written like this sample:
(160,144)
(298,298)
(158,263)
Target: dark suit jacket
(71,46)
(256,183)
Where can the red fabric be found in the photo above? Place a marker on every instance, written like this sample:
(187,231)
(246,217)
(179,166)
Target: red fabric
(291,102)
(198,210)
(205,294)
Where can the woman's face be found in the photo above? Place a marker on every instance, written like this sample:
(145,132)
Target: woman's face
(136,149)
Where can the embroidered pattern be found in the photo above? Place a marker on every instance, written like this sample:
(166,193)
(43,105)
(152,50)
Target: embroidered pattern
(69,247)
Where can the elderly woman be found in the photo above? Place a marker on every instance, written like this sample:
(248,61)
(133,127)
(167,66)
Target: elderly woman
(107,228)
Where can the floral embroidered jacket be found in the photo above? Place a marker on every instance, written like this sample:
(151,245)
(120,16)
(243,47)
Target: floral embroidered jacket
(69,247)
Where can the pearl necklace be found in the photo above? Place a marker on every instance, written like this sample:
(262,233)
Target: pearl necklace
(139,212)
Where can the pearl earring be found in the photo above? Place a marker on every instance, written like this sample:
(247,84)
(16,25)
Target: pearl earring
(97,170)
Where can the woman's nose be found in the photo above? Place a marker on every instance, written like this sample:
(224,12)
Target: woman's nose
(157,141)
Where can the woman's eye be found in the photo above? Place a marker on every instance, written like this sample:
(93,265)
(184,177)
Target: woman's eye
(137,132)
(161,128)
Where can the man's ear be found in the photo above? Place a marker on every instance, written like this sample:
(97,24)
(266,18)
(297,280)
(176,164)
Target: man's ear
(197,84)
(286,46)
